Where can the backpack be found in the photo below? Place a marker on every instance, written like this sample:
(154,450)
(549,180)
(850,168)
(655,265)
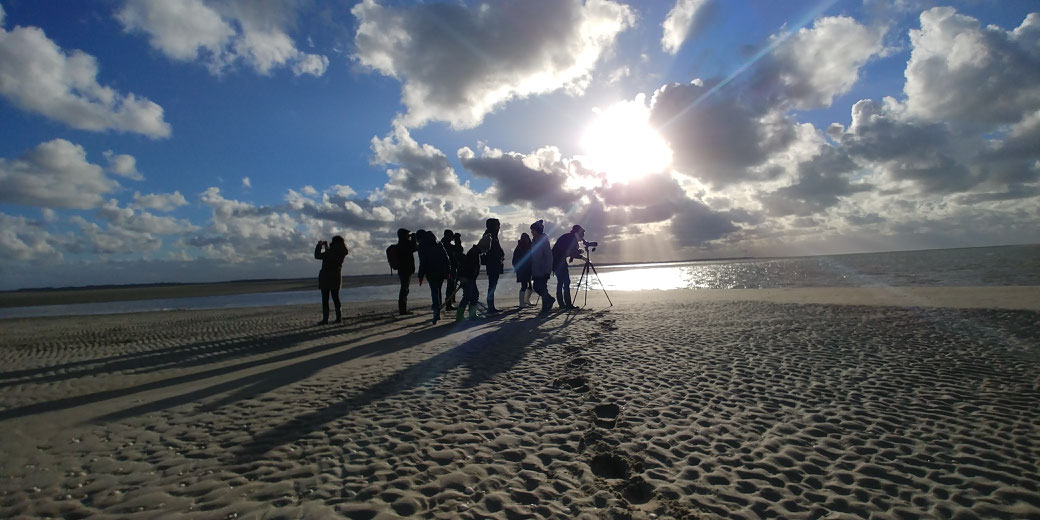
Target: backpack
(392,257)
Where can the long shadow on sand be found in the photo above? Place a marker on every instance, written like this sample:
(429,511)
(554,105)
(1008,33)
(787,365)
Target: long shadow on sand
(186,356)
(274,342)
(493,351)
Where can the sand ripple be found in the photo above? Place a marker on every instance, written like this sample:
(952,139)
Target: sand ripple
(686,410)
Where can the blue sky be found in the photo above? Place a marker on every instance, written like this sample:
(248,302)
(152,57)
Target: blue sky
(201,140)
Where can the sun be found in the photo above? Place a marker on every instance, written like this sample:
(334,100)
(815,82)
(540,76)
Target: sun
(621,143)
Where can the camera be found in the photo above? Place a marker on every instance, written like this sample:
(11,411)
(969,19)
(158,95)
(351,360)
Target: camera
(589,246)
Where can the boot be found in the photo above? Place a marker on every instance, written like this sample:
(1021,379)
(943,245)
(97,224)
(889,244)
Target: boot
(473,312)
(547,304)
(460,313)
(522,302)
(339,315)
(491,306)
(527,296)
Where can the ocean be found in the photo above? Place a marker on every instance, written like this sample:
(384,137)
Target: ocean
(979,266)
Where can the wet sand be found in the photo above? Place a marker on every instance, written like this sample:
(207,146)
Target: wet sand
(74,295)
(815,403)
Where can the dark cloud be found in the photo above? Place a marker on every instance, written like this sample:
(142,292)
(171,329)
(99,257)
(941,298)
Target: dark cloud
(516,183)
(715,136)
(821,182)
(696,224)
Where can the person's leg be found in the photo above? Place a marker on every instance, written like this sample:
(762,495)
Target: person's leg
(449,291)
(523,289)
(435,297)
(335,300)
(469,298)
(541,286)
(324,305)
(402,296)
(492,284)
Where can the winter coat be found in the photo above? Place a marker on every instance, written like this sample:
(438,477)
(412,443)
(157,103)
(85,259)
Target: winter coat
(331,275)
(541,257)
(433,261)
(522,262)
(495,256)
(470,267)
(566,248)
(405,248)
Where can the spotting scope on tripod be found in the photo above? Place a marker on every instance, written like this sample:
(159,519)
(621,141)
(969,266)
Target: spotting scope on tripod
(587,271)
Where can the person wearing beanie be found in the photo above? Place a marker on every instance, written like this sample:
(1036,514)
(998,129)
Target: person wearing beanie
(493,259)
(541,265)
(564,251)
(469,270)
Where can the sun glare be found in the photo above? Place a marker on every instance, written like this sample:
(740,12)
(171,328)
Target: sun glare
(620,143)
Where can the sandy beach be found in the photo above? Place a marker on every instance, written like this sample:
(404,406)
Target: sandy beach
(809,403)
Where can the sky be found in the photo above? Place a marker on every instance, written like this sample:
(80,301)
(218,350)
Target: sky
(146,141)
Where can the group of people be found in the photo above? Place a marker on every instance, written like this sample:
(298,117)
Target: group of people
(533,260)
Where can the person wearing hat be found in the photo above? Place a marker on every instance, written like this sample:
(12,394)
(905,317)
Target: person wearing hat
(469,270)
(564,251)
(493,260)
(541,264)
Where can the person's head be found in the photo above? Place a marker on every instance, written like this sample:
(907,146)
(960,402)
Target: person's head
(448,234)
(484,244)
(493,225)
(337,241)
(525,239)
(402,234)
(578,231)
(538,228)
(458,239)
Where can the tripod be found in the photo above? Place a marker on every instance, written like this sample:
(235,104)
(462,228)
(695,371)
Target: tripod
(586,273)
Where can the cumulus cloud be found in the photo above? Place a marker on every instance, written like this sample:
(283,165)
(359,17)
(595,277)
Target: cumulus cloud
(140,221)
(458,64)
(222,33)
(22,239)
(960,72)
(814,65)
(55,174)
(684,21)
(240,232)
(123,165)
(160,201)
(420,169)
(246,183)
(37,76)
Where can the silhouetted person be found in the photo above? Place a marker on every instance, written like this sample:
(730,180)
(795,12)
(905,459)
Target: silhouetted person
(456,253)
(453,267)
(406,266)
(541,264)
(469,270)
(434,266)
(493,259)
(563,252)
(522,268)
(330,278)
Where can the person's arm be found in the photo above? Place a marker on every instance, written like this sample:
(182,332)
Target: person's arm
(318,254)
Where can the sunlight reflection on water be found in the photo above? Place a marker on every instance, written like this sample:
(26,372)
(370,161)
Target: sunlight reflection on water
(1007,265)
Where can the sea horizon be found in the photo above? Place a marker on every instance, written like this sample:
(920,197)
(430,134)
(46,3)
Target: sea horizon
(392,277)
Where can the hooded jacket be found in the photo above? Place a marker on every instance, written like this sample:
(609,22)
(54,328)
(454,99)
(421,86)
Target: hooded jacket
(541,257)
